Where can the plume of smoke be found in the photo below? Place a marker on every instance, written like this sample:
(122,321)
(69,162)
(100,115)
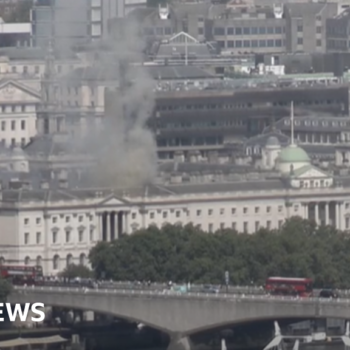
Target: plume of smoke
(124,147)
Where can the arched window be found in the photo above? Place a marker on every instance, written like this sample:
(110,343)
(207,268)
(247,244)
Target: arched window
(27,260)
(56,262)
(38,260)
(69,259)
(82,259)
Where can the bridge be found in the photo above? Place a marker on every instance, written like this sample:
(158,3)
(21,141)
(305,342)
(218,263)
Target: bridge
(183,314)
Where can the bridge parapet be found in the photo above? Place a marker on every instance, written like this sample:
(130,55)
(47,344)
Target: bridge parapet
(183,313)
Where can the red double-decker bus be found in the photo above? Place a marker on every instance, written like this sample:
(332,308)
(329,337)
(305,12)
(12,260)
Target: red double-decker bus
(20,275)
(302,287)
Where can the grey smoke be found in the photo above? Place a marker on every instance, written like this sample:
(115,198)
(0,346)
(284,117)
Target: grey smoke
(124,147)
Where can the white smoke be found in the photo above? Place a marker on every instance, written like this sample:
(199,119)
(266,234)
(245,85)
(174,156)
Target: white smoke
(125,148)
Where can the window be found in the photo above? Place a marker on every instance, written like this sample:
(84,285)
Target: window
(262,30)
(38,237)
(14,69)
(246,31)
(319,30)
(268,209)
(67,236)
(151,215)
(278,30)
(230,43)
(238,31)
(257,225)
(238,43)
(254,30)
(268,225)
(254,43)
(280,223)
(222,211)
(25,69)
(165,214)
(300,41)
(278,43)
(219,31)
(54,220)
(38,221)
(280,208)
(256,210)
(318,42)
(37,70)
(246,43)
(222,226)
(245,210)
(13,142)
(234,226)
(199,212)
(230,31)
(200,31)
(80,219)
(210,212)
(13,125)
(26,221)
(270,30)
(3,126)
(262,43)
(54,237)
(300,28)
(270,43)
(210,228)
(178,214)
(26,238)
(23,141)
(67,218)
(81,235)
(245,227)
(233,211)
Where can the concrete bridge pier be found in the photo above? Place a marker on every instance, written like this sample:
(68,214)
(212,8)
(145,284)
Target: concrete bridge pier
(179,342)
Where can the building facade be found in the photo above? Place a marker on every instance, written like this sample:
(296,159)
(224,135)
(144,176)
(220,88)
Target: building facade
(56,228)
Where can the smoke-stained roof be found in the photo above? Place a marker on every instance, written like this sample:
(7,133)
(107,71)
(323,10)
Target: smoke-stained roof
(30,53)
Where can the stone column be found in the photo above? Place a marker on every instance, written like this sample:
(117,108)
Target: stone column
(120,223)
(326,213)
(341,216)
(306,211)
(317,214)
(126,223)
(99,227)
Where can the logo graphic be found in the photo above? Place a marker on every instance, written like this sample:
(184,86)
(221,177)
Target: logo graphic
(16,310)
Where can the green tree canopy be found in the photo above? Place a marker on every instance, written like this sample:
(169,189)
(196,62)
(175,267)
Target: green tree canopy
(73,271)
(187,254)
(5,289)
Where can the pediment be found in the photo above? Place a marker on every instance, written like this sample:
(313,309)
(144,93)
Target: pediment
(313,173)
(14,92)
(112,201)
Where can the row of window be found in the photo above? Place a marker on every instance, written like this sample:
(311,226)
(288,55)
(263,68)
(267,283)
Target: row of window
(245,227)
(251,43)
(13,108)
(54,219)
(210,106)
(248,30)
(158,31)
(318,123)
(68,237)
(13,124)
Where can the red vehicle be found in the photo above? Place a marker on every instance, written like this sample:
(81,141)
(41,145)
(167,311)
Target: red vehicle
(20,275)
(302,287)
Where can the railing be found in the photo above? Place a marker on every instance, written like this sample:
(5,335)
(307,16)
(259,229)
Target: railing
(173,294)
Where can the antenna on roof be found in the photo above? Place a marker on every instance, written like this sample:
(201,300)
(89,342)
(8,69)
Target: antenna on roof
(292,123)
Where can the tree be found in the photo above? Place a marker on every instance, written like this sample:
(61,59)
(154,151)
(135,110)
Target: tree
(73,271)
(5,289)
(299,248)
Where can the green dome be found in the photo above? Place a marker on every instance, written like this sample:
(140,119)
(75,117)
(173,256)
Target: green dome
(293,154)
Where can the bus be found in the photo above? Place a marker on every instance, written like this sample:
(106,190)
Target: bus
(302,287)
(20,275)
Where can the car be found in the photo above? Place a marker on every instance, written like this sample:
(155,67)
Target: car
(328,294)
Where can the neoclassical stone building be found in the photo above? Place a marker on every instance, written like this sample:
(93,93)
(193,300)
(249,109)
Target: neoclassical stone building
(58,227)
